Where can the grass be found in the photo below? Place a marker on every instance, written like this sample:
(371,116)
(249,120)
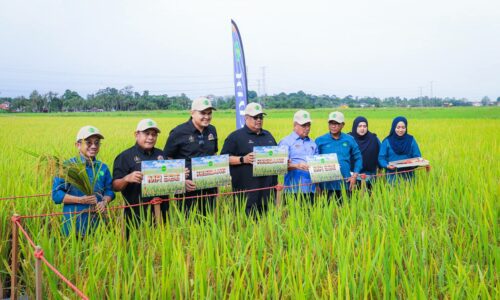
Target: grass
(436,238)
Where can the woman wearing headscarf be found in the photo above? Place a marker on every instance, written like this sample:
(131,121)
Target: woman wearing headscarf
(398,145)
(369,145)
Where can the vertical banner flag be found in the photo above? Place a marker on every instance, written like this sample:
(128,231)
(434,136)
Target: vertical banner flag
(240,77)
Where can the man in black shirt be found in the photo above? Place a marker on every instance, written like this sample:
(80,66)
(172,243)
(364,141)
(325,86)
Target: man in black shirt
(239,145)
(127,175)
(195,138)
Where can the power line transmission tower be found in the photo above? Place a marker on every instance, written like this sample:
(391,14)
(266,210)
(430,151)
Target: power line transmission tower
(421,98)
(264,92)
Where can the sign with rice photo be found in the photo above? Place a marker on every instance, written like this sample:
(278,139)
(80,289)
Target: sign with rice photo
(324,167)
(210,171)
(270,160)
(162,177)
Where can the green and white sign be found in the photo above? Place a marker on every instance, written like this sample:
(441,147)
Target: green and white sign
(270,160)
(210,171)
(162,177)
(324,167)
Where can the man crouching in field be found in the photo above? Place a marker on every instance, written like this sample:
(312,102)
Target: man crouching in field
(88,142)
(127,175)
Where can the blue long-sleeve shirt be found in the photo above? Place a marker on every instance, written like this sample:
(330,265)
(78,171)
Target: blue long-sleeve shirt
(387,155)
(102,188)
(346,149)
(298,149)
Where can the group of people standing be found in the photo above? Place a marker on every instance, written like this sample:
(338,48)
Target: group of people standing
(359,152)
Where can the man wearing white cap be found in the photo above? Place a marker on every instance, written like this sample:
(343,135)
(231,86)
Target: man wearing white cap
(88,142)
(298,179)
(195,138)
(239,145)
(347,150)
(127,175)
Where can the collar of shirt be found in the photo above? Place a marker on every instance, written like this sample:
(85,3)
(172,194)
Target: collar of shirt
(143,151)
(85,160)
(341,136)
(295,137)
(191,126)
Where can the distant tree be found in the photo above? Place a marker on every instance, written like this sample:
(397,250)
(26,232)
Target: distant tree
(37,101)
(485,101)
(251,95)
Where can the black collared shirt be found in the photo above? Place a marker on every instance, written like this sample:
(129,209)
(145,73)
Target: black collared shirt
(185,142)
(240,143)
(129,161)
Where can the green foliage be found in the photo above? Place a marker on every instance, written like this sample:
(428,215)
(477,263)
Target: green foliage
(74,172)
(436,238)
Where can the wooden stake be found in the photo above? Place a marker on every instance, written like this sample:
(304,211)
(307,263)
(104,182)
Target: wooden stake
(38,272)
(15,257)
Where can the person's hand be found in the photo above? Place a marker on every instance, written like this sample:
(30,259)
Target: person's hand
(186,172)
(101,206)
(249,158)
(190,186)
(134,177)
(303,167)
(391,167)
(88,200)
(352,181)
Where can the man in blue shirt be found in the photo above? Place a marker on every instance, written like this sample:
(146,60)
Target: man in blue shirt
(88,142)
(347,150)
(298,180)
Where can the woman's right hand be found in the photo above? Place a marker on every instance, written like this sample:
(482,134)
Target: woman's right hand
(391,167)
(88,200)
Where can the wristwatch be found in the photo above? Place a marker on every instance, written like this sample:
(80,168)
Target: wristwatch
(241,159)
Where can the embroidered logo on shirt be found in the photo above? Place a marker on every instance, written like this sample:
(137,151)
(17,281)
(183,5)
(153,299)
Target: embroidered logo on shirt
(137,159)
(344,144)
(191,139)
(250,141)
(211,137)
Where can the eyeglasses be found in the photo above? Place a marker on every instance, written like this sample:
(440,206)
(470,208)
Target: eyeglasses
(258,117)
(97,143)
(334,124)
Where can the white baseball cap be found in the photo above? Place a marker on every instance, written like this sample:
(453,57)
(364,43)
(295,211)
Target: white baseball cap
(88,131)
(253,109)
(201,103)
(146,124)
(336,116)
(302,117)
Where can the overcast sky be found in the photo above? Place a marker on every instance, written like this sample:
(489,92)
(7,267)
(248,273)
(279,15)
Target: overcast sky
(362,48)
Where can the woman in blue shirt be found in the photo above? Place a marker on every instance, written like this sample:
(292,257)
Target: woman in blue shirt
(74,200)
(398,145)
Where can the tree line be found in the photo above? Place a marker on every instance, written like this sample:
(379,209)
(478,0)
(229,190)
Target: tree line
(126,99)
